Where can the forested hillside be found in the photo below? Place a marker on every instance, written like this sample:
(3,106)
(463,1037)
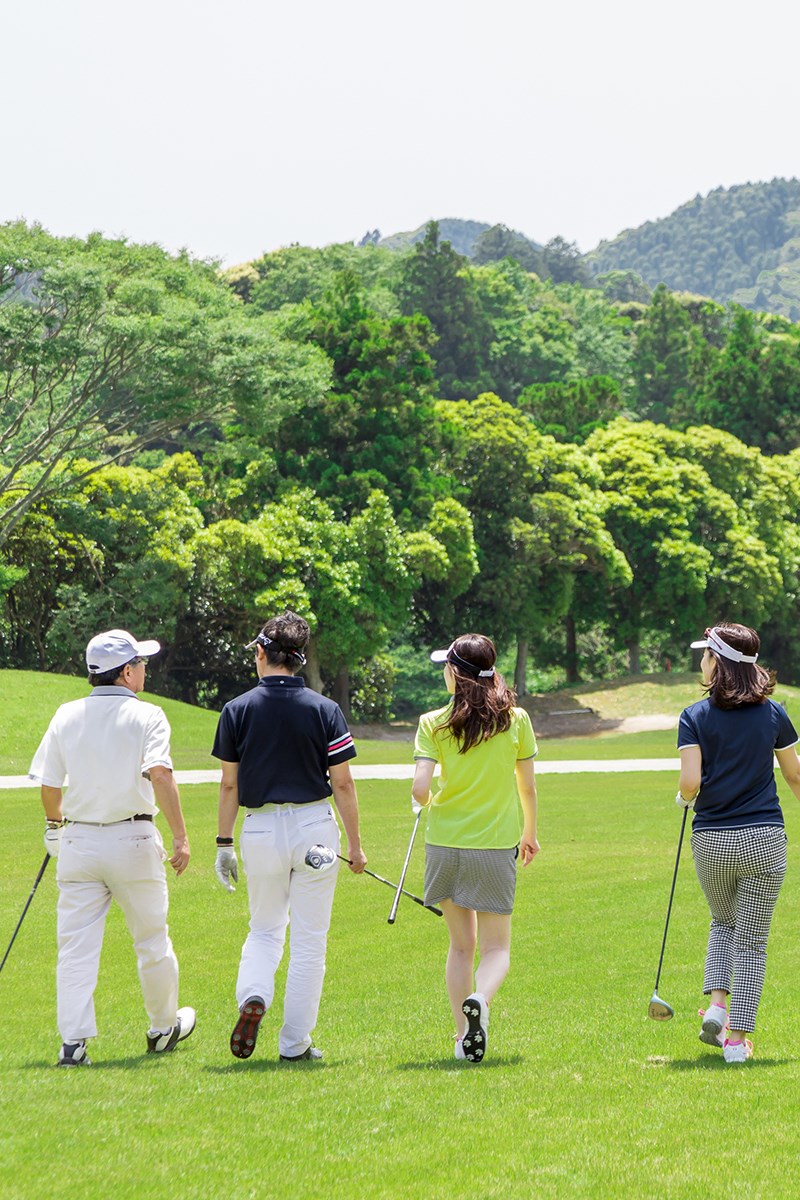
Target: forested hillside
(738,245)
(399,444)
(741,244)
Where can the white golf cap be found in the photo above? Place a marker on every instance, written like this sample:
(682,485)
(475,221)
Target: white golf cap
(713,641)
(115,648)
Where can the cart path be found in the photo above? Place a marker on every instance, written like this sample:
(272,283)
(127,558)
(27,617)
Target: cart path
(406,770)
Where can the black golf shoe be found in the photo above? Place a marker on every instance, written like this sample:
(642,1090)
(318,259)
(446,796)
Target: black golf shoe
(310,1054)
(476,1009)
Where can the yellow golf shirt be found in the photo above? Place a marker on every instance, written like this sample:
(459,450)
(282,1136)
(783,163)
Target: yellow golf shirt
(477,806)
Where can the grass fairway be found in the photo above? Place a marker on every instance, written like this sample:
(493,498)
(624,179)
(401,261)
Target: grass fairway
(580,1094)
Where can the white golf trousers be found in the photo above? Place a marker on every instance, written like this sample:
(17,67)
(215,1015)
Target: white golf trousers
(98,863)
(273,844)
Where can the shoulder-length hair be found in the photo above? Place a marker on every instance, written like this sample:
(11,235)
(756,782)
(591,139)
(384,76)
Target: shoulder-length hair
(735,684)
(481,705)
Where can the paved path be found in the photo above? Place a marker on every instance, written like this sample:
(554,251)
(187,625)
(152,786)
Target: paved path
(406,770)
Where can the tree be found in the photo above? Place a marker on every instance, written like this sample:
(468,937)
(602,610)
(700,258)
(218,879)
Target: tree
(499,242)
(372,430)
(436,282)
(661,358)
(536,524)
(106,346)
(111,551)
(570,411)
(695,550)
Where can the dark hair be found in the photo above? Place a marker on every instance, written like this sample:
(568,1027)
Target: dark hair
(288,637)
(109,678)
(735,684)
(481,705)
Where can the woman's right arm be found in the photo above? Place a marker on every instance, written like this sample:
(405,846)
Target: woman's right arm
(789,764)
(423,777)
(526,786)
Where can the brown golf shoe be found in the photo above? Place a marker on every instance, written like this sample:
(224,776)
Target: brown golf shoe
(245,1031)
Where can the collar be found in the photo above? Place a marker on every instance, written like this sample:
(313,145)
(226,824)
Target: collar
(113,689)
(277,681)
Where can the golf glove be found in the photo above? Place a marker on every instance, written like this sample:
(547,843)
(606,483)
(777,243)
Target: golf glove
(227,867)
(683,803)
(415,807)
(52,837)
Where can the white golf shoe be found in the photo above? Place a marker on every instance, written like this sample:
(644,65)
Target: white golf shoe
(73,1054)
(737,1052)
(476,1009)
(161,1043)
(715,1023)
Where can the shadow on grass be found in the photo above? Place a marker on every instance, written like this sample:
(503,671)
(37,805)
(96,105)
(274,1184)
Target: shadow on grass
(715,1062)
(270,1064)
(452,1064)
(139,1061)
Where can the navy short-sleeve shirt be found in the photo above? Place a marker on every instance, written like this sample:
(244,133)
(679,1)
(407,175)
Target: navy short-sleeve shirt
(737,746)
(284,736)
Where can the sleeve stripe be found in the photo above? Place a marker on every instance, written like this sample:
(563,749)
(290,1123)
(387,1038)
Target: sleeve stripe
(341,743)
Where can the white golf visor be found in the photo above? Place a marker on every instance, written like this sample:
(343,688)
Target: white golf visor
(713,640)
(449,655)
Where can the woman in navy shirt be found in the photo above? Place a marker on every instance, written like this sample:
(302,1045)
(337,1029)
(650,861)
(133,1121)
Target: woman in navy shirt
(727,742)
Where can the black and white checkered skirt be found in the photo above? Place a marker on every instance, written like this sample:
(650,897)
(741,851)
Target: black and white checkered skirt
(484,880)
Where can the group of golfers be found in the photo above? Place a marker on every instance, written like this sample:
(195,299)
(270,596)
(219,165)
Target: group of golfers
(285,752)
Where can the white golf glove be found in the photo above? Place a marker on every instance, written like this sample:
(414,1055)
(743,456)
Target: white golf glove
(683,803)
(227,867)
(416,807)
(52,837)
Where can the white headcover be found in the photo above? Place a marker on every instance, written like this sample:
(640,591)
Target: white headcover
(713,640)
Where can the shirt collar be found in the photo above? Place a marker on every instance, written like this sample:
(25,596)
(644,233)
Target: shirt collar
(282,681)
(112,689)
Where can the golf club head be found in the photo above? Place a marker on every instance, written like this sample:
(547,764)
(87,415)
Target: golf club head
(320,858)
(658,1009)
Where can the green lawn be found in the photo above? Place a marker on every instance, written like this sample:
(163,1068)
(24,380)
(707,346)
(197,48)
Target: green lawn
(580,1095)
(28,699)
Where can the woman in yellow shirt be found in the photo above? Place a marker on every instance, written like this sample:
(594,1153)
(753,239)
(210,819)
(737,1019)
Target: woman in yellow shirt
(482,817)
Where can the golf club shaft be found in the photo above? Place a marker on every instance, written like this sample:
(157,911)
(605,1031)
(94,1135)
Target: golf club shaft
(396,901)
(417,900)
(36,882)
(671,894)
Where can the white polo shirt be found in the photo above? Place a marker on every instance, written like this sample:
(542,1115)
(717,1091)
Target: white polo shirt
(105,743)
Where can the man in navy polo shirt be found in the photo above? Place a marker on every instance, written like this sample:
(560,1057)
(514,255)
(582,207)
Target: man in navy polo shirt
(284,750)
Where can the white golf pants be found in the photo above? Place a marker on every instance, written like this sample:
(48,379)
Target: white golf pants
(273,844)
(98,863)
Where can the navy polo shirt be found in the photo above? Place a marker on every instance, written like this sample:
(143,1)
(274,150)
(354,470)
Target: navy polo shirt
(284,736)
(737,745)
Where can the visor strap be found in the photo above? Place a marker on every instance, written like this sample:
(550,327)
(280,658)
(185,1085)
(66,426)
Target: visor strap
(720,647)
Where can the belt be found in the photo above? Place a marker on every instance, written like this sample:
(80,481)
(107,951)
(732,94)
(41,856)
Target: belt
(103,824)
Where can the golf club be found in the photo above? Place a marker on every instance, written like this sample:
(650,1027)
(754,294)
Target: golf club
(658,1009)
(397,894)
(417,900)
(36,882)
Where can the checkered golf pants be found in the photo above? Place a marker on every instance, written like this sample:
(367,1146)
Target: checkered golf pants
(740,872)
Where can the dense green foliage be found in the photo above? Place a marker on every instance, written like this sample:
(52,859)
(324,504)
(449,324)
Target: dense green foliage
(400,445)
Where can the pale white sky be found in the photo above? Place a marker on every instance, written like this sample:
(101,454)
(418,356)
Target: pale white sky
(238,126)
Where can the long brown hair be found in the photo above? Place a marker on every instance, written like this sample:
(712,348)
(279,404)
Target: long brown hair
(481,705)
(735,684)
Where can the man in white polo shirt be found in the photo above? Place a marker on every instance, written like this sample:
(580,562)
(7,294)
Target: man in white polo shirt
(114,749)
